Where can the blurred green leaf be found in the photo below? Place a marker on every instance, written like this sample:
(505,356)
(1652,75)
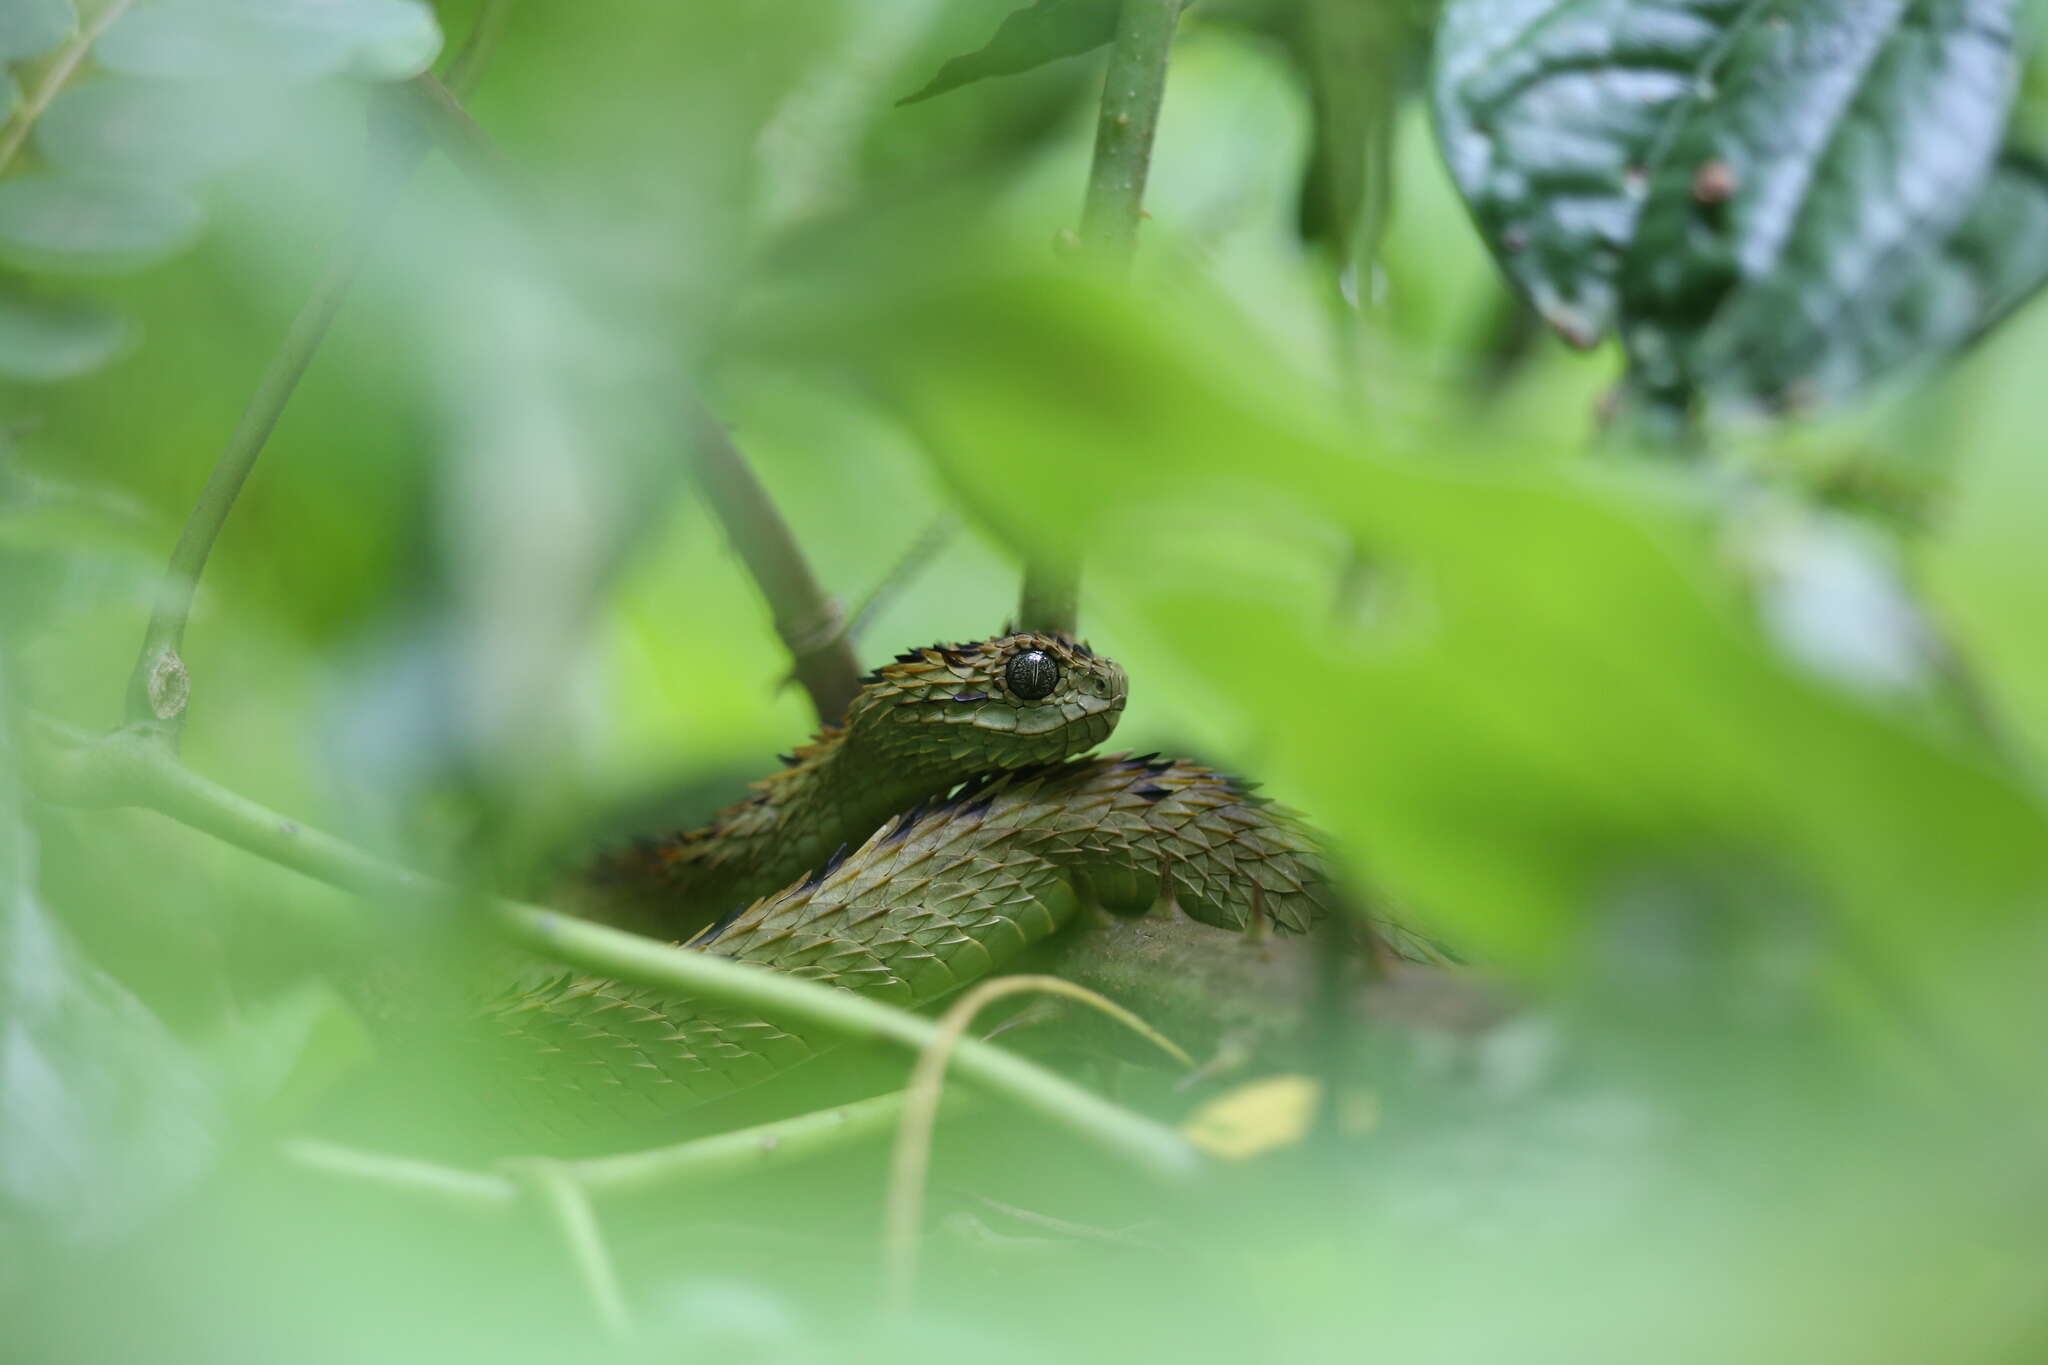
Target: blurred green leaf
(1352,57)
(1568,688)
(1983,561)
(29,28)
(103,1114)
(46,340)
(282,1055)
(1044,31)
(272,39)
(163,132)
(1767,209)
(67,224)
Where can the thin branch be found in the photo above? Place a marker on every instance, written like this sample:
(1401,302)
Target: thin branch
(134,768)
(1132,91)
(159,686)
(54,80)
(904,1209)
(808,622)
(555,1189)
(764,1147)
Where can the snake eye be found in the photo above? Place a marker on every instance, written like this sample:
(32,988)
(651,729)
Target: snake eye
(1032,675)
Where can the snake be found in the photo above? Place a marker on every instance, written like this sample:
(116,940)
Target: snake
(954,819)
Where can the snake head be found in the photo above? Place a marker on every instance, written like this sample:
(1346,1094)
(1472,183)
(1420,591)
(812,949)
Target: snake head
(1010,702)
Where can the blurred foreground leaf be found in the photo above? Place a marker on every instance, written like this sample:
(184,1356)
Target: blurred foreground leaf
(277,39)
(66,225)
(103,1114)
(165,132)
(1773,208)
(1566,692)
(45,340)
(29,28)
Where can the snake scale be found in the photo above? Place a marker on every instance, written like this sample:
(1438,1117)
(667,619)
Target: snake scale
(952,821)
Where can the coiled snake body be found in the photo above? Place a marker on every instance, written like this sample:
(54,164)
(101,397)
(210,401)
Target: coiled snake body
(976,828)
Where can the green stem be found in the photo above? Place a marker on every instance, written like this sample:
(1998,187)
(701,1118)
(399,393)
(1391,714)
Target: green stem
(764,1147)
(158,687)
(903,1210)
(806,620)
(1132,90)
(1051,600)
(62,69)
(138,768)
(553,1186)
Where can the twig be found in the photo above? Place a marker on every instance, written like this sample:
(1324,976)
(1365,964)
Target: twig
(1132,90)
(54,80)
(764,1147)
(904,1210)
(134,768)
(556,1189)
(808,622)
(159,686)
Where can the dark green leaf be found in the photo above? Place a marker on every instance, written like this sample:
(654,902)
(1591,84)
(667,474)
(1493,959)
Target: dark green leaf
(45,340)
(1046,31)
(58,222)
(29,28)
(1753,193)
(1352,57)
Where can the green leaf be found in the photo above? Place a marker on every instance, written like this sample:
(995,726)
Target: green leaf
(46,340)
(283,1054)
(62,223)
(1567,687)
(1755,195)
(29,28)
(165,132)
(273,39)
(103,1113)
(1351,57)
(1044,32)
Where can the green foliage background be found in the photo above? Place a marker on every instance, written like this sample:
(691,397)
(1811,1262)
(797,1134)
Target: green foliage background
(1730,766)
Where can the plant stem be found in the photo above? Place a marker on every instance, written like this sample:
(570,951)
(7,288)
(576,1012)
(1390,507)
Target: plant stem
(904,1208)
(1132,91)
(764,1147)
(62,69)
(1051,599)
(138,768)
(553,1186)
(808,622)
(158,687)
(1131,94)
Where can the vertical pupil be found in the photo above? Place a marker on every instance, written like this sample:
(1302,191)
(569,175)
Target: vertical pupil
(1032,674)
